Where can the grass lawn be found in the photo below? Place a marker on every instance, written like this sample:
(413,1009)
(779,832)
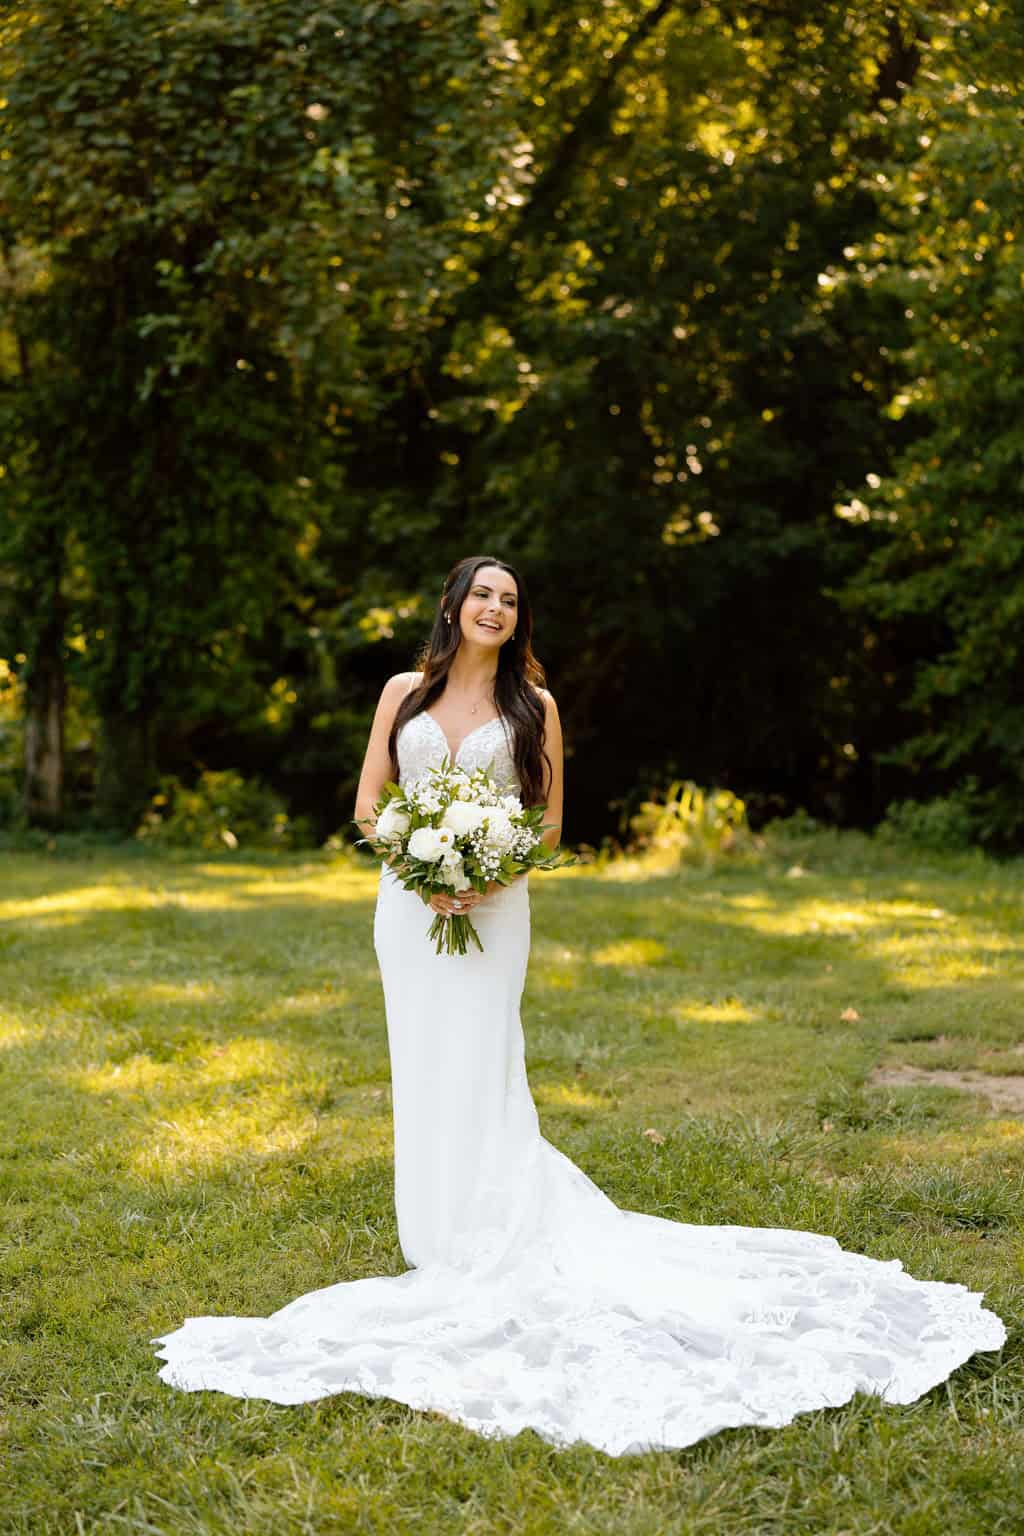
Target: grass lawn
(196,1118)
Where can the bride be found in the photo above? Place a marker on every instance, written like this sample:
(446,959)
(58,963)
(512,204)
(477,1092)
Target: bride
(532,1301)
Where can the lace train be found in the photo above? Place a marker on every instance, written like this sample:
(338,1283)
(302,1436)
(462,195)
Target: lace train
(654,1334)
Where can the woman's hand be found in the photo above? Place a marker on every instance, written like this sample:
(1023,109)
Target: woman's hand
(459,905)
(464,902)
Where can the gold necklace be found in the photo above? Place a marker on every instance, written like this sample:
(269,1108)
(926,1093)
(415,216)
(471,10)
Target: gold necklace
(475,707)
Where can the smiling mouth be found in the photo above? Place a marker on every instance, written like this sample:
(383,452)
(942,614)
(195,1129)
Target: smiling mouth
(486,624)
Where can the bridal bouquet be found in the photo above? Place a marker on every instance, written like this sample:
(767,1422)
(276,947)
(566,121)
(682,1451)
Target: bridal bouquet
(452,830)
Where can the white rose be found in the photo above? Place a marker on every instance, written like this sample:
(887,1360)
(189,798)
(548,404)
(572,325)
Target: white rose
(428,844)
(392,823)
(512,804)
(461,818)
(500,831)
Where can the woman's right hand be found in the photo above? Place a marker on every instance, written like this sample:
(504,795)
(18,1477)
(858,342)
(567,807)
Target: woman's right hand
(448,905)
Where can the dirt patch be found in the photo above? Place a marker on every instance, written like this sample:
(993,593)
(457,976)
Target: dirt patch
(1004,1094)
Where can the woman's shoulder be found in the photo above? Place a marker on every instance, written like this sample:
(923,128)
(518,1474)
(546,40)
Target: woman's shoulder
(402,683)
(397,688)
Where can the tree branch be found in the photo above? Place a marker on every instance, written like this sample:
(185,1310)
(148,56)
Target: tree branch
(496,272)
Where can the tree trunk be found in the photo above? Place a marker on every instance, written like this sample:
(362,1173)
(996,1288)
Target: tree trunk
(44,727)
(125,768)
(46,686)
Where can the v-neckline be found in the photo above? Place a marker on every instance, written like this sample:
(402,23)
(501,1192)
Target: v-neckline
(468,736)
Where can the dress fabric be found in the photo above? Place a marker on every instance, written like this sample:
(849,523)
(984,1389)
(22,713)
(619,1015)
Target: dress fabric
(533,1301)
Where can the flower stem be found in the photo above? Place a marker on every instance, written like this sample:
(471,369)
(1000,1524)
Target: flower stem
(451,935)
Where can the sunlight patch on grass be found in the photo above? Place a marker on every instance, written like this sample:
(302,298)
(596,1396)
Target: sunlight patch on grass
(630,952)
(242,1058)
(250,895)
(729,1011)
(800,919)
(214,1140)
(80,900)
(139,1074)
(216,1137)
(152,993)
(562,981)
(954,948)
(238,1061)
(195,1142)
(14,1032)
(921,963)
(311,1004)
(897,909)
(49,921)
(950,1144)
(347,1142)
(569,1096)
(621,871)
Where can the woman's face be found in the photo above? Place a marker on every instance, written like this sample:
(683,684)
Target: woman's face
(488,613)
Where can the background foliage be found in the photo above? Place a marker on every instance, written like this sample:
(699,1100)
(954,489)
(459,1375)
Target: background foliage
(704,315)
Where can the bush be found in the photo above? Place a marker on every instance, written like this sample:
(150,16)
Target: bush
(222,810)
(945,824)
(692,826)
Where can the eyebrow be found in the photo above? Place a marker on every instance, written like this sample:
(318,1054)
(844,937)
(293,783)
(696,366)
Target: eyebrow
(507,591)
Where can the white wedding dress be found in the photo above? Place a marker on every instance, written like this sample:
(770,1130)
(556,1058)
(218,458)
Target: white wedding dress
(534,1301)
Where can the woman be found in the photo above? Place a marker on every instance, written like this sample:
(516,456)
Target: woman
(533,1300)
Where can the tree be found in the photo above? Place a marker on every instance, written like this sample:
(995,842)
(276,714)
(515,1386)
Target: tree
(644,391)
(944,572)
(206,188)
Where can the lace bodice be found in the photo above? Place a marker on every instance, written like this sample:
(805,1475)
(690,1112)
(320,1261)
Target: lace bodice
(422,744)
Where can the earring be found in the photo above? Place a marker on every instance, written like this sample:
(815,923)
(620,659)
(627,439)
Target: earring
(447,618)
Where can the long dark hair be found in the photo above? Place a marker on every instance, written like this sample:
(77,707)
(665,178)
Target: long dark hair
(519,675)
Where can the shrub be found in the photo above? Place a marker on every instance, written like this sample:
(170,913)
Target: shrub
(222,810)
(945,824)
(692,826)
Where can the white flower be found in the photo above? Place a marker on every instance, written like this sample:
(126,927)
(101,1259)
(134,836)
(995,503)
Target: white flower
(430,843)
(512,804)
(500,831)
(392,824)
(458,879)
(463,818)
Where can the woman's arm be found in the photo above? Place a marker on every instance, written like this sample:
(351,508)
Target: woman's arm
(377,768)
(553,775)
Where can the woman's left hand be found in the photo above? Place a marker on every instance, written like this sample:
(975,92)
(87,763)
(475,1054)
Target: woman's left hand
(463,902)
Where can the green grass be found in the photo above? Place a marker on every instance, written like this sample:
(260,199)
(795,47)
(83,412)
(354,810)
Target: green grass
(196,1118)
